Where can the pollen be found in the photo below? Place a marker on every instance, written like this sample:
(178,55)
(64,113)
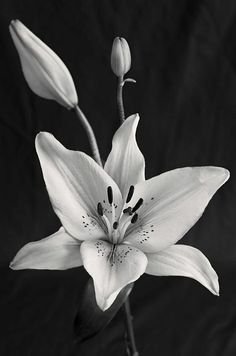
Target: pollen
(134,218)
(110,195)
(130,194)
(100,209)
(137,205)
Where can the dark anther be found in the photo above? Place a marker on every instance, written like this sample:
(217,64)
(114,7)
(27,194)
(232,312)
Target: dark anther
(128,210)
(137,205)
(130,193)
(100,209)
(110,194)
(134,218)
(115,225)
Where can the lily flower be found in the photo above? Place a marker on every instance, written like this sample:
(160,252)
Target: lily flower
(117,224)
(45,73)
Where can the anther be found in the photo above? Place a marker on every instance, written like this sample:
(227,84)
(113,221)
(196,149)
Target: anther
(128,210)
(115,225)
(100,209)
(130,193)
(137,205)
(110,194)
(134,218)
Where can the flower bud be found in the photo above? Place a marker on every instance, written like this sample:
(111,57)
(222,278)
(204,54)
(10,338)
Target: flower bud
(120,57)
(44,71)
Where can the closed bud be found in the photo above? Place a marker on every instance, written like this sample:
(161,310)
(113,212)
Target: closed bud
(44,71)
(120,57)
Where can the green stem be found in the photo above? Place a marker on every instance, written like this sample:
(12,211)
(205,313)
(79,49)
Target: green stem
(120,103)
(92,139)
(131,344)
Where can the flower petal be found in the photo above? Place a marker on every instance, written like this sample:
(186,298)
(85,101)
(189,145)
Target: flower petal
(76,184)
(173,202)
(125,163)
(44,71)
(112,267)
(187,261)
(59,251)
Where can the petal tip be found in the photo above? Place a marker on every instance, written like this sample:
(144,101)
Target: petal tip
(133,117)
(214,177)
(15,24)
(215,285)
(41,137)
(12,265)
(216,292)
(136,117)
(227,174)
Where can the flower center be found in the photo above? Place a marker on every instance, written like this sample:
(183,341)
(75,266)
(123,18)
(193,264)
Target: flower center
(116,227)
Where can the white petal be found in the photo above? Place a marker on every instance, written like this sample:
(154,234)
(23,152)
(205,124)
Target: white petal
(126,54)
(187,261)
(59,251)
(76,184)
(111,272)
(125,163)
(44,71)
(173,202)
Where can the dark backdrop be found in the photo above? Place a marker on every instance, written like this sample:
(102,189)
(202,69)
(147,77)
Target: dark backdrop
(184,61)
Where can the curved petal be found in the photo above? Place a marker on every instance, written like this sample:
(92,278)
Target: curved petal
(173,202)
(187,261)
(112,267)
(76,184)
(125,163)
(58,251)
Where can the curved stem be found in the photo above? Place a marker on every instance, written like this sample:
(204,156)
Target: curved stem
(92,139)
(120,103)
(130,341)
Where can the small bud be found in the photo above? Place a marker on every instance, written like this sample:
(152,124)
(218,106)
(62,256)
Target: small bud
(44,71)
(120,57)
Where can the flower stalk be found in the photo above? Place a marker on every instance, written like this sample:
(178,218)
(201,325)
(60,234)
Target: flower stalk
(130,338)
(120,104)
(91,137)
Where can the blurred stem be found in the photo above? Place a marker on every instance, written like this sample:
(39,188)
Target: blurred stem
(120,103)
(131,348)
(91,137)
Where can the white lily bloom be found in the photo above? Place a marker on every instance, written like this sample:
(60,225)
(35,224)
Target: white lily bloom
(44,71)
(116,223)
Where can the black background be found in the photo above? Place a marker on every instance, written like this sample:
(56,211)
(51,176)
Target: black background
(184,61)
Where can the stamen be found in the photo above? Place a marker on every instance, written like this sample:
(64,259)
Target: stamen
(128,210)
(134,218)
(130,193)
(137,205)
(115,225)
(110,194)
(100,209)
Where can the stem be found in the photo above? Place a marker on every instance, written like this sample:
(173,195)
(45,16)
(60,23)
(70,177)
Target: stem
(120,103)
(131,345)
(91,137)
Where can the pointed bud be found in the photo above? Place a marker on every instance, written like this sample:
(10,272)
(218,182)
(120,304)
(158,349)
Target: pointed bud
(120,57)
(44,71)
